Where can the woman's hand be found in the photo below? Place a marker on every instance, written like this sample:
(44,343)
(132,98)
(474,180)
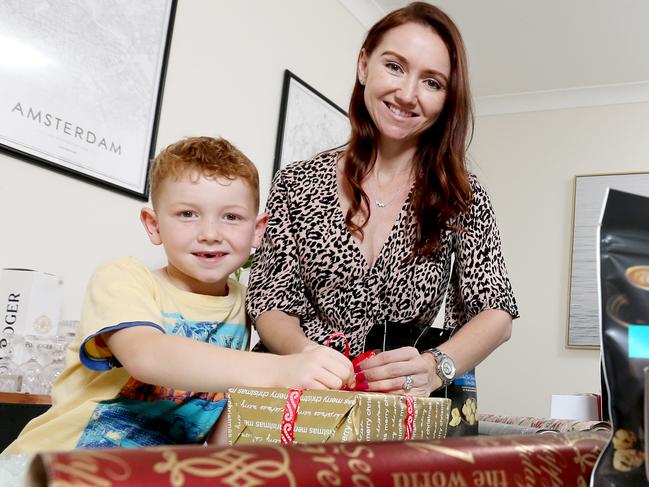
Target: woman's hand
(387,372)
(316,367)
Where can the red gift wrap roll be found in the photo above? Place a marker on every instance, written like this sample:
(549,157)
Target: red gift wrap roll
(561,459)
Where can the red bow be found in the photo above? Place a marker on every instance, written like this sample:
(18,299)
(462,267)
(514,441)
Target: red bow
(294,395)
(355,361)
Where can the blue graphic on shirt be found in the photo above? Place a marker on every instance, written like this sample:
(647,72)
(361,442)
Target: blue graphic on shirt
(149,415)
(128,423)
(227,335)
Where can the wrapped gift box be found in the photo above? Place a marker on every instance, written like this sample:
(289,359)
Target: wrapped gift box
(256,415)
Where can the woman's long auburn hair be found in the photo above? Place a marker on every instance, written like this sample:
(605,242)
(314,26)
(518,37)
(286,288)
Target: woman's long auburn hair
(442,190)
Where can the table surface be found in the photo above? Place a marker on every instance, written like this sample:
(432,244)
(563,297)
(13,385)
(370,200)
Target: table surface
(22,398)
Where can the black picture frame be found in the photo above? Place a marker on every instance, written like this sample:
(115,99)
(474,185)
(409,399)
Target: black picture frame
(80,123)
(309,122)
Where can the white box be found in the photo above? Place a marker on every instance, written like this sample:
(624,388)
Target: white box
(30,303)
(582,407)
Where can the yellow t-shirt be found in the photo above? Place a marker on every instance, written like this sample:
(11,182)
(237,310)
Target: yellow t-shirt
(95,401)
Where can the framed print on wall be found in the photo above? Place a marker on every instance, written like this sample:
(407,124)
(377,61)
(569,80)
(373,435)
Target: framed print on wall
(589,192)
(308,123)
(82,84)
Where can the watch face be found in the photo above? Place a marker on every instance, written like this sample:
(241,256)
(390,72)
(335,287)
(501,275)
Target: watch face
(448,368)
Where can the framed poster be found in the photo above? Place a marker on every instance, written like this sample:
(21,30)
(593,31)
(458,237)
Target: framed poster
(82,83)
(308,123)
(589,192)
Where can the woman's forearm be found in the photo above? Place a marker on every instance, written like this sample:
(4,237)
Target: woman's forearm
(388,371)
(477,339)
(281,333)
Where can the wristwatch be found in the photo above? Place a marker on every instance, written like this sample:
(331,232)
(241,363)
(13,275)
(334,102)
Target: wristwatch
(445,367)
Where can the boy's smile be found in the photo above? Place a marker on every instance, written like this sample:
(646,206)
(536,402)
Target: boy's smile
(207,227)
(209,256)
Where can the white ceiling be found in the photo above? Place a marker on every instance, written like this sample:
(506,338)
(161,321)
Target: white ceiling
(522,46)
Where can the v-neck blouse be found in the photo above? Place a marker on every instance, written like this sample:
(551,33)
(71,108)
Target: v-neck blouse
(310,266)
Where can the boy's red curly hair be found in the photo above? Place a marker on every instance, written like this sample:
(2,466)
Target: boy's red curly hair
(202,156)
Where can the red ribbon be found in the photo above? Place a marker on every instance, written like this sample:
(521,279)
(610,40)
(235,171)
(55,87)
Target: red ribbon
(287,434)
(363,356)
(338,334)
(409,420)
(357,360)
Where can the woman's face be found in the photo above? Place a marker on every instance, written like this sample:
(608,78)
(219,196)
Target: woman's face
(406,79)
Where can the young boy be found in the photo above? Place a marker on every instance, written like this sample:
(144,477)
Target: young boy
(149,338)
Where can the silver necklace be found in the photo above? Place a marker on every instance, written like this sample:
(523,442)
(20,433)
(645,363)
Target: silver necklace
(379,202)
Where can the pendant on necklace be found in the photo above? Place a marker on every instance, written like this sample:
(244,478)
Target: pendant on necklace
(379,204)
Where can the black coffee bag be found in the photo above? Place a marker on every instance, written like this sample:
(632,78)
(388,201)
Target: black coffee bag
(624,312)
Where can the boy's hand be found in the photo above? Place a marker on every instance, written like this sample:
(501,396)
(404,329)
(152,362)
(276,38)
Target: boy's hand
(317,367)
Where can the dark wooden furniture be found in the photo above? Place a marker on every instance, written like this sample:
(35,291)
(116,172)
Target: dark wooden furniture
(16,410)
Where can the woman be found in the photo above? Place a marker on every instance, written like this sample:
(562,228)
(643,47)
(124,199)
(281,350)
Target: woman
(364,236)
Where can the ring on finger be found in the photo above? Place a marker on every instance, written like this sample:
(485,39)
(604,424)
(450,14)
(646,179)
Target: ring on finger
(408,383)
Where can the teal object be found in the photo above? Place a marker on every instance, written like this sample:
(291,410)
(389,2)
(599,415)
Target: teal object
(639,341)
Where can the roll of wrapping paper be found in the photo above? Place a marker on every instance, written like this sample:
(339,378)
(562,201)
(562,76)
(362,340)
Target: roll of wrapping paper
(561,459)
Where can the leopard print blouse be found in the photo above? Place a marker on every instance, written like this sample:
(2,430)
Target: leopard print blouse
(310,266)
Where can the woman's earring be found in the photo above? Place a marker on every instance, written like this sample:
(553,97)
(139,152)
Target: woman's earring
(362,82)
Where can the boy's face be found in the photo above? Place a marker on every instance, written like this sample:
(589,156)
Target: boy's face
(207,228)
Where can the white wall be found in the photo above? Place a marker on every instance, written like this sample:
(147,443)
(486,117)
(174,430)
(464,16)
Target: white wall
(224,78)
(528,162)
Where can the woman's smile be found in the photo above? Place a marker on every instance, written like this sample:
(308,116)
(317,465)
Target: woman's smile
(399,112)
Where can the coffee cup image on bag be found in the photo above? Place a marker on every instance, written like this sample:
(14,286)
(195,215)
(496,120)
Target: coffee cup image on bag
(638,276)
(625,312)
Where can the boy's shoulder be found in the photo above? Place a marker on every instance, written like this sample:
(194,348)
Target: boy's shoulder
(124,264)
(123,268)
(235,288)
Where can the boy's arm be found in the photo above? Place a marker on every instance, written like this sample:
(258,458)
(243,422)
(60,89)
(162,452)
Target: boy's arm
(153,357)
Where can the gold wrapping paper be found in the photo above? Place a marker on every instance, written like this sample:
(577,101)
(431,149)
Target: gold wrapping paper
(255,416)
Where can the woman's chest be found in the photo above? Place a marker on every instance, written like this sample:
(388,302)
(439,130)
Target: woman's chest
(382,222)
(333,263)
